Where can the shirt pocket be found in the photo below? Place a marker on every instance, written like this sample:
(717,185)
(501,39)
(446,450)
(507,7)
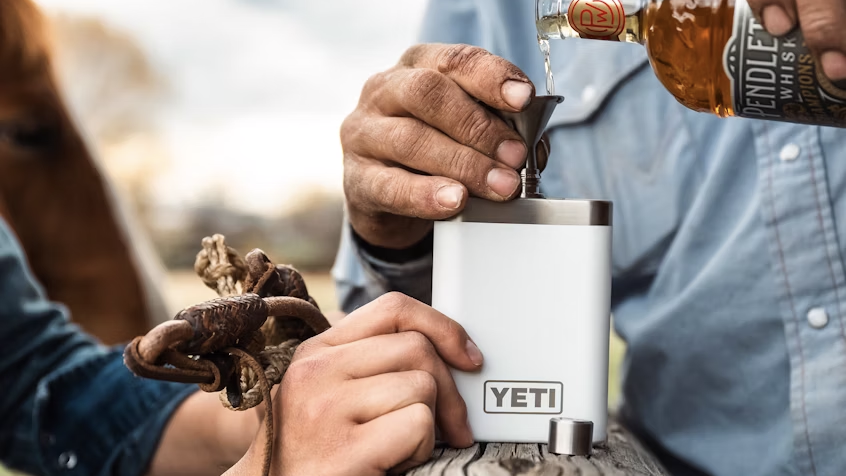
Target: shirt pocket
(620,136)
(587,72)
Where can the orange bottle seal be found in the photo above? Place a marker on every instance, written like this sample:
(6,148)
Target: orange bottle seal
(597,19)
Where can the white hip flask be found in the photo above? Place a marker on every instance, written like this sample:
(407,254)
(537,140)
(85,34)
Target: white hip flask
(530,281)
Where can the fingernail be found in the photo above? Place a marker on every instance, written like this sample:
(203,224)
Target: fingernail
(503,182)
(517,93)
(474,353)
(834,65)
(511,153)
(449,196)
(776,20)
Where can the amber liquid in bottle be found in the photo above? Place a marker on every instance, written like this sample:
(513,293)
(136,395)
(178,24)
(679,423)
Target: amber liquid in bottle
(685,42)
(709,63)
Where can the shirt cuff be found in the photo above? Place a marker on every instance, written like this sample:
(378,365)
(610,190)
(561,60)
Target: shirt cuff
(415,252)
(413,278)
(98,418)
(362,277)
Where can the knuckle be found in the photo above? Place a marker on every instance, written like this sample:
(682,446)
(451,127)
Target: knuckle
(357,191)
(822,30)
(425,88)
(475,127)
(303,350)
(452,329)
(394,302)
(420,346)
(350,130)
(315,409)
(460,58)
(392,193)
(304,370)
(424,383)
(360,132)
(412,54)
(464,166)
(420,418)
(408,140)
(352,179)
(373,84)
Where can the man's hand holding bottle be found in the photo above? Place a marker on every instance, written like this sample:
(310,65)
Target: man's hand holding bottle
(823,24)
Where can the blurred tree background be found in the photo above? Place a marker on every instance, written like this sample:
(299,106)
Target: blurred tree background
(117,96)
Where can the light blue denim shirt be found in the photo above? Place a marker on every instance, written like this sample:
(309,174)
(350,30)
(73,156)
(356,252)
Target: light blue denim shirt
(728,257)
(68,405)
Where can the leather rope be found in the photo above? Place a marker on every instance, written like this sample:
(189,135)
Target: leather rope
(239,344)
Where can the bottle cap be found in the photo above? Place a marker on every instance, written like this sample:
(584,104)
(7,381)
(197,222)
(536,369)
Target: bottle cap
(570,437)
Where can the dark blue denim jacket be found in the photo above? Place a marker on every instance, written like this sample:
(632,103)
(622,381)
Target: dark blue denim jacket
(68,405)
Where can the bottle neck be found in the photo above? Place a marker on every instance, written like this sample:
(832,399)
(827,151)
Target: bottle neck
(609,20)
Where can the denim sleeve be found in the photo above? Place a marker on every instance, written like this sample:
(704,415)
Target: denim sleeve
(68,405)
(360,277)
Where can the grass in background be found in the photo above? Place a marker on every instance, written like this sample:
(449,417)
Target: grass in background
(617,349)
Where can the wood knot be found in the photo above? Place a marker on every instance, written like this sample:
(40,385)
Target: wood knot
(517,465)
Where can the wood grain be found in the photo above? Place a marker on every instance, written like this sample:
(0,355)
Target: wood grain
(621,455)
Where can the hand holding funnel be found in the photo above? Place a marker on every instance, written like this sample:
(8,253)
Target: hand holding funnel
(530,124)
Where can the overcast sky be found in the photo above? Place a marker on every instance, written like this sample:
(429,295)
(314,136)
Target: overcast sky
(258,83)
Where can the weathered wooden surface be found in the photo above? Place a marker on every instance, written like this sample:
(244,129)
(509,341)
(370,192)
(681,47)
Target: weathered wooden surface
(621,455)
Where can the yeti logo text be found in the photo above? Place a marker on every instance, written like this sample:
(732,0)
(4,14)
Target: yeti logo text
(514,396)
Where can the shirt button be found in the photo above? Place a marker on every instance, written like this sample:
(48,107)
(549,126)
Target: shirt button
(817,318)
(789,153)
(588,94)
(67,460)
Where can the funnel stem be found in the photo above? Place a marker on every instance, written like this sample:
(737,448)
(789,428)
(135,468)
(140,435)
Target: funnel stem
(531,179)
(530,124)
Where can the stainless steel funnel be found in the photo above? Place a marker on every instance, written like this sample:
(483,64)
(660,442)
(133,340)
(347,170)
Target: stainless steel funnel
(530,124)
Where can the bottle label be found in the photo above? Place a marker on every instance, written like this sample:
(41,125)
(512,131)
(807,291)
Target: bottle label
(597,19)
(778,78)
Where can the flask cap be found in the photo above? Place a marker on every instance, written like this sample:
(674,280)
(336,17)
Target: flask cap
(570,437)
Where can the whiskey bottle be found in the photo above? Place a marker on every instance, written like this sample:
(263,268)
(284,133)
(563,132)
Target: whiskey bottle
(712,55)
